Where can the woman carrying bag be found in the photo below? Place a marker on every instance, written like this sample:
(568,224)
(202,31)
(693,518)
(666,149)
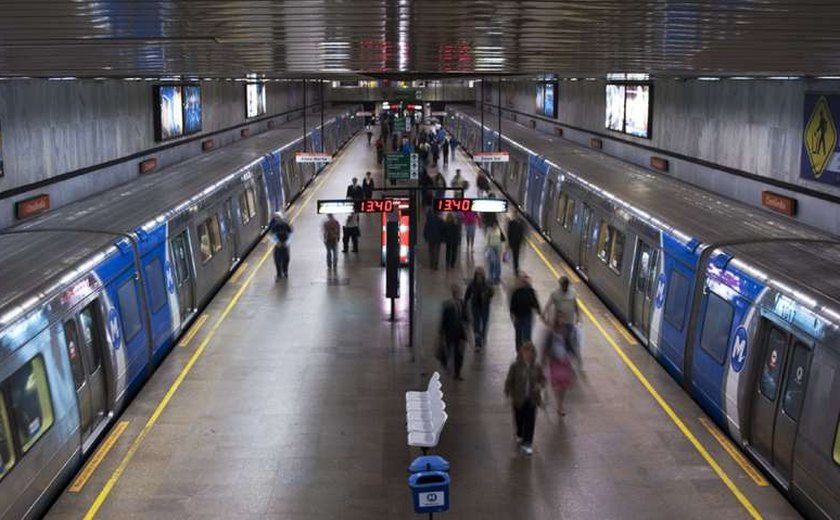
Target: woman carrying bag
(524,385)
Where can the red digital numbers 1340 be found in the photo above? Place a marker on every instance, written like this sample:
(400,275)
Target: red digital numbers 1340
(376,206)
(452,204)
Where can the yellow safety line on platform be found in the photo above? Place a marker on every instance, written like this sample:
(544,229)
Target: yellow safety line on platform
(98,456)
(193,330)
(628,337)
(135,445)
(733,452)
(238,273)
(660,400)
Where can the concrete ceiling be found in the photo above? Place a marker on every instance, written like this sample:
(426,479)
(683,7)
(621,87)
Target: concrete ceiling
(329,38)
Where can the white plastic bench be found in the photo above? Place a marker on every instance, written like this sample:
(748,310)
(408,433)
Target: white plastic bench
(425,414)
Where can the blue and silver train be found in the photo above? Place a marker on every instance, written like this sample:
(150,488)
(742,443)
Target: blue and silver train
(741,306)
(94,295)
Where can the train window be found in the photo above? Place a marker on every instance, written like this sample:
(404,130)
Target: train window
(204,247)
(244,214)
(129,310)
(616,250)
(31,405)
(569,217)
(837,443)
(560,210)
(7,452)
(677,297)
(604,232)
(90,335)
(797,376)
(179,252)
(773,360)
(215,233)
(71,337)
(157,284)
(714,338)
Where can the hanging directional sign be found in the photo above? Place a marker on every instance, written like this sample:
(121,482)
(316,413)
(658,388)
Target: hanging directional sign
(336,206)
(399,125)
(491,157)
(401,166)
(467,204)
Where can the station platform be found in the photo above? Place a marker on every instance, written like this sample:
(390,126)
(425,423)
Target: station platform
(287,401)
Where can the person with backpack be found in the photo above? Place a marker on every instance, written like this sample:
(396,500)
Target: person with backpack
(524,385)
(331,232)
(280,233)
(478,296)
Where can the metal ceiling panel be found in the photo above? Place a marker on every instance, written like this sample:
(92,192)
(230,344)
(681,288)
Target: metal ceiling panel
(216,38)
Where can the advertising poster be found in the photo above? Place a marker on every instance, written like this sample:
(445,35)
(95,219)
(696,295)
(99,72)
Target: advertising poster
(171,112)
(820,157)
(192,109)
(254,99)
(615,108)
(636,110)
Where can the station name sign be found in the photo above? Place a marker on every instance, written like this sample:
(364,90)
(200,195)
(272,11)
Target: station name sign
(491,157)
(312,157)
(448,204)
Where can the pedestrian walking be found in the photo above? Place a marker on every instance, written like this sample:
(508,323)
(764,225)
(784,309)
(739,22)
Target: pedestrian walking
(280,233)
(483,184)
(440,185)
(523,305)
(369,132)
(354,191)
(470,221)
(563,312)
(433,234)
(459,182)
(351,232)
(435,149)
(453,146)
(524,385)
(453,332)
(367,186)
(493,252)
(557,354)
(479,295)
(380,150)
(444,148)
(515,236)
(331,233)
(452,238)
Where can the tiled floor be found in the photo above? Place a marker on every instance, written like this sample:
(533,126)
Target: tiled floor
(295,409)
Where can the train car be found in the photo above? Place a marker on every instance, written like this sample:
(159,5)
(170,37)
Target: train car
(93,296)
(698,294)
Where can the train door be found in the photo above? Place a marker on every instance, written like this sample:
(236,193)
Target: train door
(779,395)
(644,287)
(585,242)
(84,346)
(232,230)
(184,281)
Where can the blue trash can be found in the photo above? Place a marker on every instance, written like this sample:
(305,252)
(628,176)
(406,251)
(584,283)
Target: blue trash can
(429,491)
(429,483)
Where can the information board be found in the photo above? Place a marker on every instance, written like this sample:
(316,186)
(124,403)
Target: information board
(399,125)
(400,166)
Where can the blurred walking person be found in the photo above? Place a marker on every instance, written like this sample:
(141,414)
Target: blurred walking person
(433,234)
(479,295)
(563,313)
(351,232)
(280,233)
(368,186)
(493,252)
(557,355)
(470,221)
(515,236)
(452,238)
(523,385)
(453,332)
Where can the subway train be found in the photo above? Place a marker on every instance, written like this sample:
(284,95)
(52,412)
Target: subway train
(94,295)
(741,306)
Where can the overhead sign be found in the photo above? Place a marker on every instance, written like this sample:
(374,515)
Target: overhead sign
(312,157)
(32,206)
(400,125)
(336,207)
(820,160)
(401,166)
(467,204)
(491,157)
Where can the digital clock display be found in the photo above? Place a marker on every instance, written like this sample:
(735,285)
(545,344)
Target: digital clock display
(377,206)
(464,204)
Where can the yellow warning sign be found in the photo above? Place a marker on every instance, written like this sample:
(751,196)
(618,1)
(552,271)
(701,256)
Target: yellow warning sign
(820,137)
